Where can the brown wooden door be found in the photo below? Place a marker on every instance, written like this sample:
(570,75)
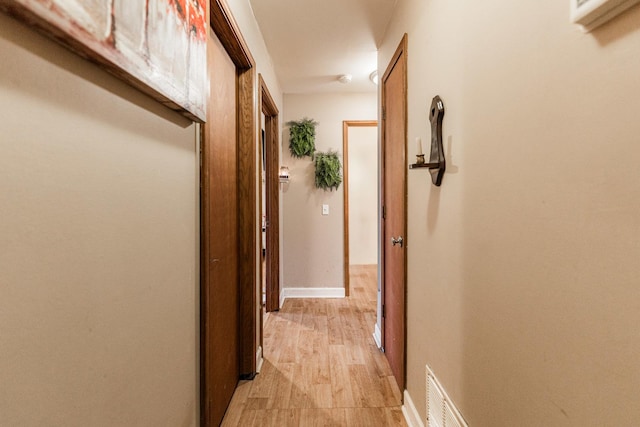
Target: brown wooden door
(272,202)
(220,291)
(394,123)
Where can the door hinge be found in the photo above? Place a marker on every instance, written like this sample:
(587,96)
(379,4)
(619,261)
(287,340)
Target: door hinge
(200,144)
(384,113)
(384,212)
(383,311)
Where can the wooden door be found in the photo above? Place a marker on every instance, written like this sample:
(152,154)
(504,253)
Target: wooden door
(394,132)
(272,202)
(220,293)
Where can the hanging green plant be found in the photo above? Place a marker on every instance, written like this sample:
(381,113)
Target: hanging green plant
(302,137)
(328,170)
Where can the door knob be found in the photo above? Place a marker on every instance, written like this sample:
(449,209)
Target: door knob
(397,241)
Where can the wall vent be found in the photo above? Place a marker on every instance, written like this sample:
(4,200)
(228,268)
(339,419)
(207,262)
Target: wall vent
(441,412)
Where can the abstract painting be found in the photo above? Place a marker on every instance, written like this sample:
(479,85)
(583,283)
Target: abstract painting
(158,46)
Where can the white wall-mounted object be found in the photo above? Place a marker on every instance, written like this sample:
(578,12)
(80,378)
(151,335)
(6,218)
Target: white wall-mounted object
(325,209)
(345,78)
(374,77)
(284,175)
(593,13)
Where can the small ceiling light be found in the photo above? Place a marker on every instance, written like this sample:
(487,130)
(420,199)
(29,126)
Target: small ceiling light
(374,77)
(345,78)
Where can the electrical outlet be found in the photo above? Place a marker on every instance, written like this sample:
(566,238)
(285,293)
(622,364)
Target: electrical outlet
(325,209)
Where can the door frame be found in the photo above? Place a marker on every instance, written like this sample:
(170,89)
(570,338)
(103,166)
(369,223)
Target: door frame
(272,181)
(226,29)
(400,54)
(346,124)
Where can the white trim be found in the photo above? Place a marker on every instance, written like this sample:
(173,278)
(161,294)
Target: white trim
(312,293)
(259,360)
(377,336)
(410,412)
(432,381)
(593,13)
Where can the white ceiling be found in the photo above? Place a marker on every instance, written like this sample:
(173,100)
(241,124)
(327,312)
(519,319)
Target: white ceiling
(312,42)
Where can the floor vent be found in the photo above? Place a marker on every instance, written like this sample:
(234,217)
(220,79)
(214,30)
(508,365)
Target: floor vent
(441,412)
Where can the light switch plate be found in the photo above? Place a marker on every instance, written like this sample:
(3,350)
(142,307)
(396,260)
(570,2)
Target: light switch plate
(325,209)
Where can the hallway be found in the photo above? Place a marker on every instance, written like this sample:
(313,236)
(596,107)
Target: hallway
(321,366)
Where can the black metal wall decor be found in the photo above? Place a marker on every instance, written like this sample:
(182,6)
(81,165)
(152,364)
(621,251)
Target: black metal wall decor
(436,163)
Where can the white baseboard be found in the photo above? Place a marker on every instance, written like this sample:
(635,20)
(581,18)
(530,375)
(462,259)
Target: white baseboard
(377,336)
(259,360)
(312,293)
(410,412)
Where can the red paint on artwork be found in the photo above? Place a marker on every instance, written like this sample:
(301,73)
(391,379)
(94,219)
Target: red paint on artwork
(196,21)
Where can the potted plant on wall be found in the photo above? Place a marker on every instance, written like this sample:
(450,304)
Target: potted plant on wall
(328,170)
(302,137)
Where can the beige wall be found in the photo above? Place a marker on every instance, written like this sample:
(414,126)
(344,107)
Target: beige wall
(313,243)
(523,290)
(99,246)
(243,14)
(363,195)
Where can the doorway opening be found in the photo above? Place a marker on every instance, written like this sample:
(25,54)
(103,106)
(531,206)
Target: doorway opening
(360,158)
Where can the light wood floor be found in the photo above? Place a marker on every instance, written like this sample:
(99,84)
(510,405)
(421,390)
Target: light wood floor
(321,366)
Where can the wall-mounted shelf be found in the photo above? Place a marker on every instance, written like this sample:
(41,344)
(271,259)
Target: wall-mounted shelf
(436,163)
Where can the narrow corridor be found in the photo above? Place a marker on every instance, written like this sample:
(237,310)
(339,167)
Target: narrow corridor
(321,366)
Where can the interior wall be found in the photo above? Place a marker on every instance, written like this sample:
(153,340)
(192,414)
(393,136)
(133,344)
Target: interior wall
(313,243)
(363,195)
(99,265)
(522,268)
(243,14)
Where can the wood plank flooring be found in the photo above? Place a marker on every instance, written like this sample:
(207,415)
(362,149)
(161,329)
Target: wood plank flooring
(321,366)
